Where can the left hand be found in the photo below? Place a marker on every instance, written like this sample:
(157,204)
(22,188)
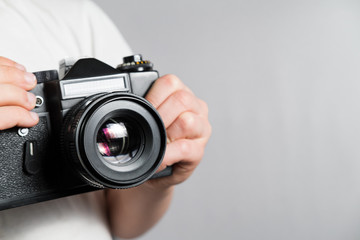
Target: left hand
(188,129)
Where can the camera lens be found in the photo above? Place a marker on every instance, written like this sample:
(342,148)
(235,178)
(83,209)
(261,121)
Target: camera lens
(118,141)
(114,140)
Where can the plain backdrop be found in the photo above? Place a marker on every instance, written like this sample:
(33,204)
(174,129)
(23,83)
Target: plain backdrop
(282,82)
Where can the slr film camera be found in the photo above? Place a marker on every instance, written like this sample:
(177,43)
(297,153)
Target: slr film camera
(96,130)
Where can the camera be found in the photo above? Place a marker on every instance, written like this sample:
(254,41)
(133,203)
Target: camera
(96,130)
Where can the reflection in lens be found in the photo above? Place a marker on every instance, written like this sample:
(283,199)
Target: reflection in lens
(118,141)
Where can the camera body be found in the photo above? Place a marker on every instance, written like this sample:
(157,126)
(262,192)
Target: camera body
(95,131)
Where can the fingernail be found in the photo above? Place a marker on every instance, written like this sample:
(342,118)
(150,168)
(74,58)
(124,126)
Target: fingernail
(34,116)
(31,99)
(20,67)
(30,78)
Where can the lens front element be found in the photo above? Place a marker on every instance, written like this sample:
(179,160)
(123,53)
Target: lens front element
(118,141)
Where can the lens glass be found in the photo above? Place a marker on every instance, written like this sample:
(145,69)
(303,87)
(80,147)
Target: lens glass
(118,141)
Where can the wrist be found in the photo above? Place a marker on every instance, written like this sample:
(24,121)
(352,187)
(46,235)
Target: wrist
(156,186)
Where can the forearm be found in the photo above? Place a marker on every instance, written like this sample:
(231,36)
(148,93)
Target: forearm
(133,211)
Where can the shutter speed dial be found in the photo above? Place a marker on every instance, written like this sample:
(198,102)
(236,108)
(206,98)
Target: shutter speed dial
(135,63)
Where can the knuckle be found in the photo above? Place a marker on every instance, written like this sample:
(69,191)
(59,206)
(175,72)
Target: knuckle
(184,97)
(171,81)
(16,74)
(184,148)
(9,75)
(5,70)
(187,122)
(7,62)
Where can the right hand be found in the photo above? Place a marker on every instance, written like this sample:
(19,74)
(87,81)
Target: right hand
(15,100)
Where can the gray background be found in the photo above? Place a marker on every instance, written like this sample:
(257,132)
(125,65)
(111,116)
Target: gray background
(282,82)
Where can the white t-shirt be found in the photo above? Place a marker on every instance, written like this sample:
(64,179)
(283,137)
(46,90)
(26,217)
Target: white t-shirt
(37,34)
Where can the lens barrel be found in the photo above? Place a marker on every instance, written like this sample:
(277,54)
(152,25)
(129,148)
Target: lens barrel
(115,140)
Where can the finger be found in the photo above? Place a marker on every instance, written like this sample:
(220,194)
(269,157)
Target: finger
(11,95)
(8,62)
(17,77)
(188,125)
(163,88)
(17,116)
(184,155)
(177,103)
(188,151)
